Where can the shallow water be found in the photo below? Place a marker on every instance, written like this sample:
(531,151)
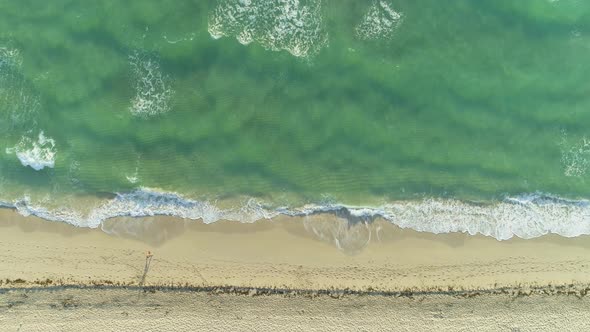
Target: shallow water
(258,107)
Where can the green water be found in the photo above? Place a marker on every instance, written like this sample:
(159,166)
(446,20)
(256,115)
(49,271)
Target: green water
(468,99)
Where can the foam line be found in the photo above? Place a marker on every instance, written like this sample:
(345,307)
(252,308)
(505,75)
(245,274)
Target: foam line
(525,216)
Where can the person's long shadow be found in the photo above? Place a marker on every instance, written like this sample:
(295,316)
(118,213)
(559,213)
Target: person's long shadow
(146,268)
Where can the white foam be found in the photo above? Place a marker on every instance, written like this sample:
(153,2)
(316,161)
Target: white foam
(133,179)
(277,25)
(26,208)
(35,154)
(152,89)
(379,22)
(526,216)
(575,158)
(148,202)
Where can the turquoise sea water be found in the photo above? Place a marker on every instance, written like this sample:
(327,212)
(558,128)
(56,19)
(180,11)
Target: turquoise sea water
(465,115)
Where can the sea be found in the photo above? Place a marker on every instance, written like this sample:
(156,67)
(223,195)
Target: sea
(439,116)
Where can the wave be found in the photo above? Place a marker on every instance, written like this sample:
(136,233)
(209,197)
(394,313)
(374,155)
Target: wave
(292,25)
(35,154)
(525,216)
(379,22)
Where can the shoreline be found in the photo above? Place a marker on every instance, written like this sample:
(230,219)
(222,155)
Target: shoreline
(526,216)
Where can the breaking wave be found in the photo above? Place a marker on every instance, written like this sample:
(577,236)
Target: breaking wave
(380,22)
(526,216)
(35,154)
(295,26)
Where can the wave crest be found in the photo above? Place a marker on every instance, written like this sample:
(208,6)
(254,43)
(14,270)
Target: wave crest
(379,22)
(525,216)
(35,154)
(292,25)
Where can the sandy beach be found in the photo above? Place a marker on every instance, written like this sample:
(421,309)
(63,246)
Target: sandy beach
(129,310)
(317,259)
(284,252)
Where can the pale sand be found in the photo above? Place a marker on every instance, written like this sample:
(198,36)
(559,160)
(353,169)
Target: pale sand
(125,310)
(294,254)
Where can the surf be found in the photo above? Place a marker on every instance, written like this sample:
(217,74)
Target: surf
(525,216)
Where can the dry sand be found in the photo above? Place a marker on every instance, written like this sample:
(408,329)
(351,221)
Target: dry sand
(297,254)
(127,310)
